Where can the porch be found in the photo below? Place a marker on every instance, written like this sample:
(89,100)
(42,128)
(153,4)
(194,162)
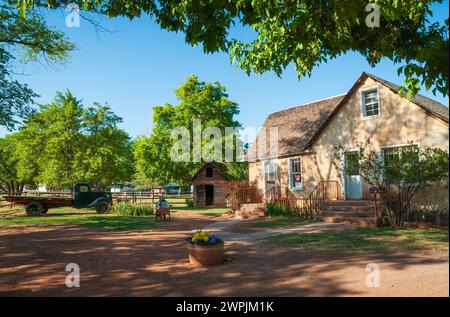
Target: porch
(325,203)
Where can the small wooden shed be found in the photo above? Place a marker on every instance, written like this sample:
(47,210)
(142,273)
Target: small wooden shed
(210,187)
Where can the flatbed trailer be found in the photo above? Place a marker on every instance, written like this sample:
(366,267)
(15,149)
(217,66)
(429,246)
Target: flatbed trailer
(82,197)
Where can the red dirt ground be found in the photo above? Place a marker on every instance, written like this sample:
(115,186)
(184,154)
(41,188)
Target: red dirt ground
(33,261)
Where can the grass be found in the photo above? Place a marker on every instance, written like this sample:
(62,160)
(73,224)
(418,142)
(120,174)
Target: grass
(85,218)
(363,240)
(210,212)
(281,222)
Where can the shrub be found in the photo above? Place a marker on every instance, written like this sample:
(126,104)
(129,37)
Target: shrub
(189,203)
(277,210)
(435,217)
(124,209)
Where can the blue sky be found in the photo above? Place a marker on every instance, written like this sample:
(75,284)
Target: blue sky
(139,65)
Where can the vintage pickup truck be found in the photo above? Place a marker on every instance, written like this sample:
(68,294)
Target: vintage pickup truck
(82,197)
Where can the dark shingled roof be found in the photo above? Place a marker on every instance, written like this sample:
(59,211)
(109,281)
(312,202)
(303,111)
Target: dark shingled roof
(424,102)
(296,126)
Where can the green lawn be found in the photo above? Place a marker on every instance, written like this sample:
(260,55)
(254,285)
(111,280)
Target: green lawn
(280,222)
(210,211)
(364,240)
(84,217)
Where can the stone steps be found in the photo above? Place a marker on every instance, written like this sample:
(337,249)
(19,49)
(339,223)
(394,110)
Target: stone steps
(252,210)
(357,212)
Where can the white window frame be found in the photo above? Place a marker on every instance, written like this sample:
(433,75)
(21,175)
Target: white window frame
(362,98)
(290,173)
(382,148)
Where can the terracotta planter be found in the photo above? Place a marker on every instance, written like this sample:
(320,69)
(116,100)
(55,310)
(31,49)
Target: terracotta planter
(205,255)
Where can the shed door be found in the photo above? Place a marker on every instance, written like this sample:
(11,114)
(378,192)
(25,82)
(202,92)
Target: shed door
(209,191)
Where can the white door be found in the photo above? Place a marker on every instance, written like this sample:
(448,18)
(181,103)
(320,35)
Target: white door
(353,184)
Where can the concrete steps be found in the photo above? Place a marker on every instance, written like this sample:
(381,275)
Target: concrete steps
(250,211)
(357,212)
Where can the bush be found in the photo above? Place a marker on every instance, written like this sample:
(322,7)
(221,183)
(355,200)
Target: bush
(435,217)
(124,209)
(189,203)
(277,210)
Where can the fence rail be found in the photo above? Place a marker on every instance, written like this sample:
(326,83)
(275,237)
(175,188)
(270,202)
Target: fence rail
(325,190)
(141,198)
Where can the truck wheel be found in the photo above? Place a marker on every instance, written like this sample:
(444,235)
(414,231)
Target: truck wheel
(102,207)
(35,209)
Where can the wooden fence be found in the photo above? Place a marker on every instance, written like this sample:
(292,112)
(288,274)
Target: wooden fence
(138,198)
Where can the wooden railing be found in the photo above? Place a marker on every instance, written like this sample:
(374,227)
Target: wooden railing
(244,195)
(325,190)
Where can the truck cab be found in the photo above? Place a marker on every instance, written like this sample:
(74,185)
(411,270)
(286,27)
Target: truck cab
(84,197)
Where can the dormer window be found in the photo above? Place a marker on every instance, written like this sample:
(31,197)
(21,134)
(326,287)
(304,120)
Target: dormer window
(370,103)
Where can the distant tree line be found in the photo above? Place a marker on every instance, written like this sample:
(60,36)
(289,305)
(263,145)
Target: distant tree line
(65,142)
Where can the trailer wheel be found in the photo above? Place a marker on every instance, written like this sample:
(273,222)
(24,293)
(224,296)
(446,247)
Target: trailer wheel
(34,209)
(102,207)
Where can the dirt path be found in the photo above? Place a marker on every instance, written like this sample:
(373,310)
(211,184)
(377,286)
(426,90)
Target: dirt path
(33,261)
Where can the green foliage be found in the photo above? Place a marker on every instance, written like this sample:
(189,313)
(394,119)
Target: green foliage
(70,216)
(124,209)
(207,102)
(278,210)
(189,203)
(64,142)
(302,33)
(11,180)
(364,240)
(30,35)
(400,176)
(435,217)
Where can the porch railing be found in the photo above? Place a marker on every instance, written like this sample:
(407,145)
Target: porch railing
(244,195)
(325,190)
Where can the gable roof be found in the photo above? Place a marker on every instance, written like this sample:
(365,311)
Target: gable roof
(300,126)
(296,126)
(430,106)
(434,107)
(211,165)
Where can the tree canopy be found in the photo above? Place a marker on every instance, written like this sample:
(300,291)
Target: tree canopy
(30,36)
(207,102)
(11,180)
(65,142)
(302,33)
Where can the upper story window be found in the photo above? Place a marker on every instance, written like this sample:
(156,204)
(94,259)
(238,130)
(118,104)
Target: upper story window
(209,172)
(370,103)
(295,173)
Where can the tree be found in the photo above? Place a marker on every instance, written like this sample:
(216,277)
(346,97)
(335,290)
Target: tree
(71,143)
(28,34)
(399,175)
(302,33)
(11,180)
(206,102)
(107,156)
